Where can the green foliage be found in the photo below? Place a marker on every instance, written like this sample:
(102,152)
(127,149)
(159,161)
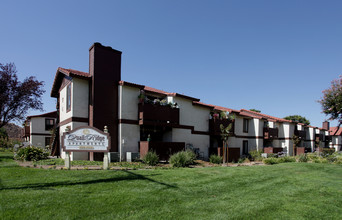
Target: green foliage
(312,156)
(303,158)
(298,118)
(215,159)
(255,110)
(3,133)
(255,155)
(151,158)
(31,153)
(332,100)
(271,160)
(296,140)
(286,159)
(182,159)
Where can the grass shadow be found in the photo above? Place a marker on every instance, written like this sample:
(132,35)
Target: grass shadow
(131,176)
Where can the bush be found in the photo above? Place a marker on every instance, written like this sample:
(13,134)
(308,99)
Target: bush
(303,158)
(271,160)
(287,159)
(312,156)
(255,155)
(182,158)
(327,152)
(31,153)
(215,159)
(151,158)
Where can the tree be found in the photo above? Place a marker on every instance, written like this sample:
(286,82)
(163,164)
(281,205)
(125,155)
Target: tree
(298,118)
(332,101)
(254,110)
(16,97)
(225,133)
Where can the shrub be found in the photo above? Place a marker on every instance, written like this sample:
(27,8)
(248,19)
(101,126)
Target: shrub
(271,160)
(287,159)
(303,158)
(31,153)
(312,156)
(255,155)
(151,158)
(182,158)
(327,152)
(215,159)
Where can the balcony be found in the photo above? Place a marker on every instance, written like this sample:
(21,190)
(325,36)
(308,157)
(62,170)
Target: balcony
(301,134)
(328,138)
(270,133)
(150,114)
(214,125)
(163,149)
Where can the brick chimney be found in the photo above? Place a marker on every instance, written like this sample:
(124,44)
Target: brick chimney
(105,69)
(326,125)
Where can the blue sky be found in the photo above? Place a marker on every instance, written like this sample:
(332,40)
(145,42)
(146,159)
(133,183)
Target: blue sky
(275,56)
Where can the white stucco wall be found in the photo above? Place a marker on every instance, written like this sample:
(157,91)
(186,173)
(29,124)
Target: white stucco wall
(198,141)
(80,98)
(129,136)
(128,107)
(193,115)
(37,131)
(38,140)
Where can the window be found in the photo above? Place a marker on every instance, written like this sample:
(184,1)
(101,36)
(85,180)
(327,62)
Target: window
(49,123)
(245,125)
(68,98)
(245,147)
(47,141)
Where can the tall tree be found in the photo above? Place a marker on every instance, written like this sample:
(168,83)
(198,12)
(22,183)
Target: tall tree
(332,101)
(16,97)
(297,118)
(254,110)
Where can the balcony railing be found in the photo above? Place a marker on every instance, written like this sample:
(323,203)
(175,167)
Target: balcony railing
(163,149)
(154,114)
(214,125)
(301,134)
(270,133)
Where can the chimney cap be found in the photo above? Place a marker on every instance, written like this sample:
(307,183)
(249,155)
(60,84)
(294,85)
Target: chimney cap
(97,44)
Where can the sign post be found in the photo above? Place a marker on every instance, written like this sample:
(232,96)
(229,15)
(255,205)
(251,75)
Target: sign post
(86,139)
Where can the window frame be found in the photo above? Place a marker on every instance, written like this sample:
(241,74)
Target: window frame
(245,126)
(49,126)
(68,97)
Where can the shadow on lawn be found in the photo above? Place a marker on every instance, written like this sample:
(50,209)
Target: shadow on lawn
(131,176)
(5,157)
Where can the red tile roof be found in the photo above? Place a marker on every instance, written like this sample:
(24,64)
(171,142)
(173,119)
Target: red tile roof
(334,131)
(264,116)
(47,115)
(71,72)
(61,72)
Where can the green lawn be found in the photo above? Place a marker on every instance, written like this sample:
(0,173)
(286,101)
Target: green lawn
(284,191)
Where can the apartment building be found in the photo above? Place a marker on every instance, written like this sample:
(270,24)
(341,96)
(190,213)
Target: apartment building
(38,129)
(140,118)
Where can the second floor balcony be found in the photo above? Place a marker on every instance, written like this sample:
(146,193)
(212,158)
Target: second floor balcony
(157,114)
(270,133)
(301,134)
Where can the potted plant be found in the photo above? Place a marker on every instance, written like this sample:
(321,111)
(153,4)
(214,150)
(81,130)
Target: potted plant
(141,96)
